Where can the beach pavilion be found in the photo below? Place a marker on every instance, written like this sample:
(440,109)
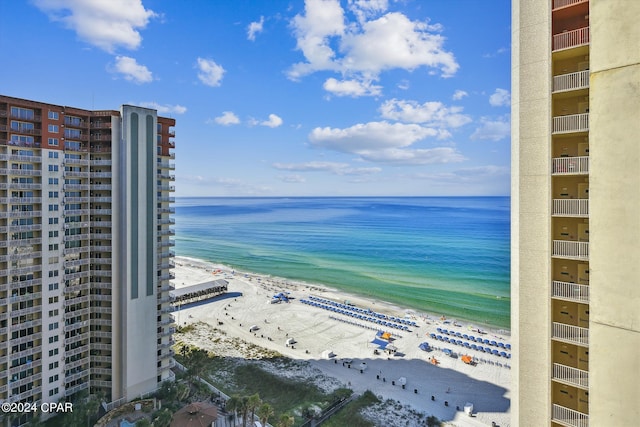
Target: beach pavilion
(199,292)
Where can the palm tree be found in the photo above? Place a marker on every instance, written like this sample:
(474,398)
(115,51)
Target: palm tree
(244,408)
(232,405)
(265,411)
(286,420)
(253,402)
(163,418)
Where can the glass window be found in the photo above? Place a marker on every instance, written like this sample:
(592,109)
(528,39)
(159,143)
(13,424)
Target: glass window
(53,128)
(22,113)
(53,141)
(21,140)
(53,115)
(21,126)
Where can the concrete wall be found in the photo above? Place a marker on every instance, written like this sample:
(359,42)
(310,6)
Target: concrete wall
(137,175)
(615,213)
(531,198)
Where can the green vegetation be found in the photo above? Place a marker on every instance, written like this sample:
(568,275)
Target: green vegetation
(350,414)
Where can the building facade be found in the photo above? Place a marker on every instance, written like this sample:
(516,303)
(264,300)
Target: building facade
(575,212)
(85,251)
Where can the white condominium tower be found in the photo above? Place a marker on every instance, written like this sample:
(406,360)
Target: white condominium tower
(85,251)
(576,213)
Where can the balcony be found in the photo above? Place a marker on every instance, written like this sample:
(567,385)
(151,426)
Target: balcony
(571,165)
(570,249)
(572,376)
(571,81)
(569,417)
(570,291)
(571,334)
(571,123)
(570,39)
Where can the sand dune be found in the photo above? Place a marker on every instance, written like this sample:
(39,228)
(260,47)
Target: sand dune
(318,331)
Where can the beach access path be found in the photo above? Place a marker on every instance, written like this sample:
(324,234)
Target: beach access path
(320,333)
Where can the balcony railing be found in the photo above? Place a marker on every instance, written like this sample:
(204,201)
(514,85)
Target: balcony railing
(571,291)
(557,4)
(571,165)
(571,81)
(569,417)
(569,333)
(570,375)
(573,38)
(570,249)
(571,123)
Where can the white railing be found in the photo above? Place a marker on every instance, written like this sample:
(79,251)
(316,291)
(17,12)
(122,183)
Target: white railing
(571,81)
(574,334)
(569,417)
(571,249)
(571,291)
(571,207)
(571,375)
(571,165)
(571,38)
(571,123)
(563,3)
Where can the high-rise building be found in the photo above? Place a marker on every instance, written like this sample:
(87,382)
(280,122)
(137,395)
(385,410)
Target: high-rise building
(576,212)
(85,251)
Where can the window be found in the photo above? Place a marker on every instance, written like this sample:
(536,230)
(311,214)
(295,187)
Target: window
(53,286)
(53,115)
(21,126)
(53,391)
(22,113)
(53,233)
(54,260)
(21,140)
(53,339)
(53,273)
(53,128)
(53,181)
(53,313)
(53,208)
(53,365)
(53,194)
(53,352)
(53,300)
(53,378)
(53,326)
(53,168)
(72,133)
(53,247)
(53,220)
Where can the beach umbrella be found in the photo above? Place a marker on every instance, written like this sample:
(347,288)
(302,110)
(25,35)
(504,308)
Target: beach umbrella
(501,345)
(493,343)
(507,346)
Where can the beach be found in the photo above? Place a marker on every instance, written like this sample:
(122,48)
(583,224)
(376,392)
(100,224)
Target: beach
(336,333)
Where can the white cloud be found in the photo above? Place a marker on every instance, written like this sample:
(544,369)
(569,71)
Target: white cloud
(331,167)
(210,73)
(323,19)
(105,24)
(361,50)
(226,186)
(367,8)
(434,113)
(500,98)
(493,130)
(459,94)
(420,156)
(384,142)
(227,118)
(131,70)
(466,175)
(353,88)
(164,109)
(255,28)
(273,122)
(292,179)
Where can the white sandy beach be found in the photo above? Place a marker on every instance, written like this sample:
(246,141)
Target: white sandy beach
(318,331)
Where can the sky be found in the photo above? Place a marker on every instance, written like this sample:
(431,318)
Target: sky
(287,98)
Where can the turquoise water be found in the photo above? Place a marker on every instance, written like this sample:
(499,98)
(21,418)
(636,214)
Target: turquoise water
(438,255)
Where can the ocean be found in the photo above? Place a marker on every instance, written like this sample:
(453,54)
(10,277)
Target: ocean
(440,255)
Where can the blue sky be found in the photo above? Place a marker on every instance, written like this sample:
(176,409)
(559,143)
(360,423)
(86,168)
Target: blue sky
(287,98)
